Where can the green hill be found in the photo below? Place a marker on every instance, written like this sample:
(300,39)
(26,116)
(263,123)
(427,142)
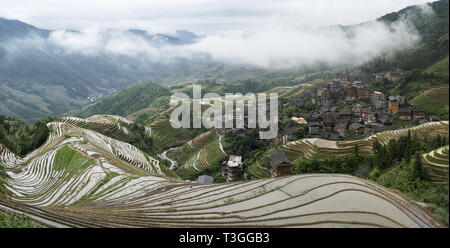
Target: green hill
(439,68)
(125,102)
(425,65)
(434,101)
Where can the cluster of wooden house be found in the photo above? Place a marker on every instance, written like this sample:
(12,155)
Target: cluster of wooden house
(362,112)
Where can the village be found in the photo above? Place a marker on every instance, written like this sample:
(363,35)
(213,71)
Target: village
(343,109)
(347,110)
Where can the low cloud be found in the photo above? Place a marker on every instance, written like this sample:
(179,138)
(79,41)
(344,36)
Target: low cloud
(282,47)
(278,45)
(275,46)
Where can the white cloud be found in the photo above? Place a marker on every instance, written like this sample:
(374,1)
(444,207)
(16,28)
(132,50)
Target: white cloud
(201,16)
(284,34)
(276,46)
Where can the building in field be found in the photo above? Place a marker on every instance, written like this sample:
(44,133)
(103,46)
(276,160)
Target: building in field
(393,76)
(376,96)
(404,114)
(363,94)
(358,128)
(280,164)
(232,169)
(340,128)
(351,91)
(393,106)
(418,113)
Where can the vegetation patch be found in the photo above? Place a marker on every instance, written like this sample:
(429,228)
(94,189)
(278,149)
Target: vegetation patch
(8,220)
(71,161)
(21,138)
(434,101)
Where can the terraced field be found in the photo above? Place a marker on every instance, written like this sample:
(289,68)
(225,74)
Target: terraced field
(326,148)
(81,178)
(257,171)
(289,91)
(165,136)
(112,126)
(198,154)
(437,162)
(73,164)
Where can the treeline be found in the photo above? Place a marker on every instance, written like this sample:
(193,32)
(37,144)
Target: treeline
(339,164)
(20,138)
(248,146)
(139,139)
(404,148)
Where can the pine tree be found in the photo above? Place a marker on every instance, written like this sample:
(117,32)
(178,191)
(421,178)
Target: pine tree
(408,154)
(418,171)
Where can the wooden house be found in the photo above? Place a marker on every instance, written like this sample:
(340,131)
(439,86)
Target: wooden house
(280,164)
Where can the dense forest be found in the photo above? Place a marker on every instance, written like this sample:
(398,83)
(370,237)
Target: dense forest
(20,138)
(139,139)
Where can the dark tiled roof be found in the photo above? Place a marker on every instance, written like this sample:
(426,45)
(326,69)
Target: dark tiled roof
(363,90)
(314,124)
(345,112)
(418,110)
(404,110)
(279,158)
(356,126)
(363,104)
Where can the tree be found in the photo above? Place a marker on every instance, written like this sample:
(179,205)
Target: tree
(300,132)
(407,155)
(418,171)
(349,133)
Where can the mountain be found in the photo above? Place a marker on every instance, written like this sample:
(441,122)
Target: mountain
(37,79)
(40,76)
(435,101)
(10,29)
(426,65)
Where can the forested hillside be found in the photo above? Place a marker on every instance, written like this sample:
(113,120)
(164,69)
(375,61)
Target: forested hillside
(20,138)
(426,65)
(127,101)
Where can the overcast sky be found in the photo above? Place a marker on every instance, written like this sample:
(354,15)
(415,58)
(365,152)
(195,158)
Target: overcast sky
(201,16)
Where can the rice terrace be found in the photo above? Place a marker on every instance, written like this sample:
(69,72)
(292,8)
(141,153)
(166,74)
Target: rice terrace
(220,115)
(83,178)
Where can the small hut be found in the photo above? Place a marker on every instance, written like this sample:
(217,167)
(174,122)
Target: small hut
(280,164)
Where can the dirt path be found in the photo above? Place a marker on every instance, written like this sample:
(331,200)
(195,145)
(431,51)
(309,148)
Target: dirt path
(220,144)
(173,163)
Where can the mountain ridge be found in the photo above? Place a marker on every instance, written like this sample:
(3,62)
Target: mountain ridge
(40,80)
